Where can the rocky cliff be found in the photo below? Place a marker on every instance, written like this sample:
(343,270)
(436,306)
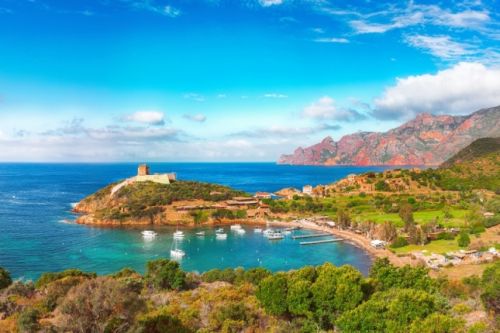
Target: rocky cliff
(425,140)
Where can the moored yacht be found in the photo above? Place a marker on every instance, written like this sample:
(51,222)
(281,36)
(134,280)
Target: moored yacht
(235,227)
(257,230)
(177,253)
(221,236)
(200,233)
(148,234)
(275,235)
(219,231)
(178,234)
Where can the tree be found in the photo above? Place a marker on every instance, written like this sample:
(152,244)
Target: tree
(165,274)
(391,311)
(382,186)
(272,294)
(343,218)
(463,239)
(336,289)
(5,279)
(491,288)
(388,276)
(388,231)
(406,214)
(299,298)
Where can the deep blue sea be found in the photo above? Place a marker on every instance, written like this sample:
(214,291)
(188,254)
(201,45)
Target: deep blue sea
(37,233)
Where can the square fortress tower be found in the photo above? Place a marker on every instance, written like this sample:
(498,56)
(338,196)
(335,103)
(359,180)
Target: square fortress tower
(143,170)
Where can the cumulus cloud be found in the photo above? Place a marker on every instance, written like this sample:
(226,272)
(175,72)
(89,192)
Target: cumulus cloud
(326,109)
(155,118)
(461,89)
(200,118)
(440,46)
(268,3)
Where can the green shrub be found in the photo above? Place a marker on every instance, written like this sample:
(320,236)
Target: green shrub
(491,288)
(27,321)
(165,274)
(46,278)
(5,279)
(159,322)
(399,242)
(382,186)
(272,293)
(463,239)
(446,236)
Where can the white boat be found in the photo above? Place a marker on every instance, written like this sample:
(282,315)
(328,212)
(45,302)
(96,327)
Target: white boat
(268,231)
(257,230)
(178,234)
(177,253)
(219,231)
(200,233)
(240,231)
(148,234)
(287,232)
(275,236)
(221,236)
(235,227)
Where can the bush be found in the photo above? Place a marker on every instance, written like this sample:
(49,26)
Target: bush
(165,274)
(437,323)
(159,322)
(47,278)
(446,236)
(226,275)
(463,239)
(5,279)
(492,221)
(28,320)
(399,242)
(382,186)
(99,304)
(491,288)
(388,276)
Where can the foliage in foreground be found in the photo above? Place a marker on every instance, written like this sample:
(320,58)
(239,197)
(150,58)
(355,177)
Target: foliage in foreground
(310,299)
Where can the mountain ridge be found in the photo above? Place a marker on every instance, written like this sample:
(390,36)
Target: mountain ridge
(425,140)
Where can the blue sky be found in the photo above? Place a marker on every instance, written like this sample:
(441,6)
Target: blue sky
(221,80)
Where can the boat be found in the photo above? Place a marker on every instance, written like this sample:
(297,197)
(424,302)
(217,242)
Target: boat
(257,230)
(268,231)
(221,236)
(219,231)
(175,252)
(275,236)
(287,232)
(200,233)
(235,227)
(148,234)
(240,231)
(178,234)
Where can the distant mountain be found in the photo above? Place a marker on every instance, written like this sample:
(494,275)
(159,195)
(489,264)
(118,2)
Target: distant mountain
(425,140)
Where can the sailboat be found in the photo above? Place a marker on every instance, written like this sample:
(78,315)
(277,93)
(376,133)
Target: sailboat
(175,252)
(178,234)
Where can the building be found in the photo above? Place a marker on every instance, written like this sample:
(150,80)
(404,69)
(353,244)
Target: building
(143,175)
(262,195)
(307,189)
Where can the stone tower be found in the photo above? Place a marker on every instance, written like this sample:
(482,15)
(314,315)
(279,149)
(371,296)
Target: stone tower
(143,170)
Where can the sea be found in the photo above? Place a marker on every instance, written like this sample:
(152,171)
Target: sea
(38,233)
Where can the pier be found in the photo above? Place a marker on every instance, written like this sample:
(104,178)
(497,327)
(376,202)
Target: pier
(322,241)
(311,236)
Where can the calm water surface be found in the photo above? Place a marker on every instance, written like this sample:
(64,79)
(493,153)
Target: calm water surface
(37,234)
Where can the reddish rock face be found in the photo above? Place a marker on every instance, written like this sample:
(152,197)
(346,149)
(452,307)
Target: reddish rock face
(425,140)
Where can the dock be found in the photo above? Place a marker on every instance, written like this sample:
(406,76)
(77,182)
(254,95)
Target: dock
(311,236)
(322,241)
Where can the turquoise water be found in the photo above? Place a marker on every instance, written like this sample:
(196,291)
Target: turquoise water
(37,233)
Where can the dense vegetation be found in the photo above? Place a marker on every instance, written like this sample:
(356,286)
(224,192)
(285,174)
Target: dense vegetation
(311,299)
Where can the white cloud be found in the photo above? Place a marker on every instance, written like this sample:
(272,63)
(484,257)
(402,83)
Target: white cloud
(268,3)
(440,46)
(171,11)
(146,117)
(325,108)
(461,89)
(195,97)
(200,118)
(275,95)
(332,40)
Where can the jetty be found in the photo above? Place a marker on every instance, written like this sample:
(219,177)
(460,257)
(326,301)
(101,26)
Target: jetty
(311,236)
(322,241)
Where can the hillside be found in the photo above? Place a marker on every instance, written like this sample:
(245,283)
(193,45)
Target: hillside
(425,140)
(476,150)
(148,202)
